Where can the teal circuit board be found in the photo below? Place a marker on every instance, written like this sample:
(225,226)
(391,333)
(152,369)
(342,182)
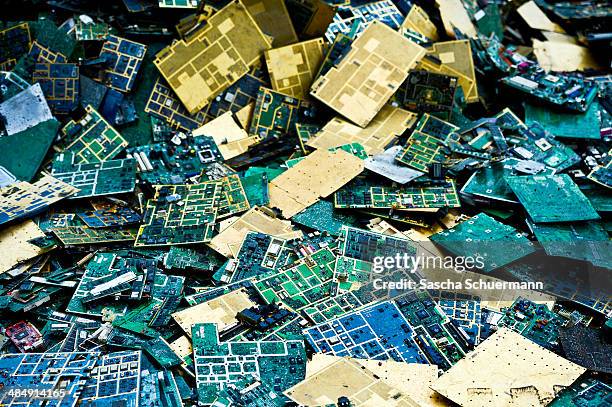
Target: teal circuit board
(498,244)
(237,366)
(552,198)
(98,178)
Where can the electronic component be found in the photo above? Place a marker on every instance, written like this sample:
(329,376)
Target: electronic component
(92,139)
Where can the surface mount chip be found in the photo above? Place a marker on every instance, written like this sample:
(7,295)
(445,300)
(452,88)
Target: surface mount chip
(365,78)
(215,57)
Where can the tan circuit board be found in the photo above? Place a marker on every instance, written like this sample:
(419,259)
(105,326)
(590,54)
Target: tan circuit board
(213,58)
(387,125)
(293,67)
(418,20)
(273,19)
(365,79)
(531,374)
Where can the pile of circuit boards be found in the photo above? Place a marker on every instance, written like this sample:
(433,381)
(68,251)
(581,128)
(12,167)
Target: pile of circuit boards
(206,202)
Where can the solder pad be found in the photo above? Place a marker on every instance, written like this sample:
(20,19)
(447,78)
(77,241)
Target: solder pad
(293,67)
(92,139)
(180,214)
(386,126)
(213,58)
(365,79)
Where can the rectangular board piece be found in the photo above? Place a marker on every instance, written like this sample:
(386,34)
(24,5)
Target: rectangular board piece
(124,58)
(351,20)
(84,235)
(362,194)
(274,365)
(384,129)
(24,199)
(92,139)
(317,176)
(368,75)
(273,18)
(60,84)
(214,58)
(180,214)
(552,198)
(276,114)
(293,67)
(95,179)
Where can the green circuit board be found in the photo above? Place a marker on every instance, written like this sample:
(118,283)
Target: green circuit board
(302,284)
(92,139)
(361,194)
(180,214)
(428,143)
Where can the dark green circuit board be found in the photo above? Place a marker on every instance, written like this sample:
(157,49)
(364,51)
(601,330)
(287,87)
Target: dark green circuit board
(584,392)
(169,164)
(307,281)
(84,235)
(322,217)
(60,84)
(428,143)
(498,244)
(180,214)
(534,321)
(565,124)
(580,240)
(232,198)
(552,198)
(14,43)
(237,366)
(427,92)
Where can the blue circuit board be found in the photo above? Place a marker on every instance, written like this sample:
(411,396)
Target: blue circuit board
(123,59)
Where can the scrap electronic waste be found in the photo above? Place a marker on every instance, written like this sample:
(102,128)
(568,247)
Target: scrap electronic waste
(197,198)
